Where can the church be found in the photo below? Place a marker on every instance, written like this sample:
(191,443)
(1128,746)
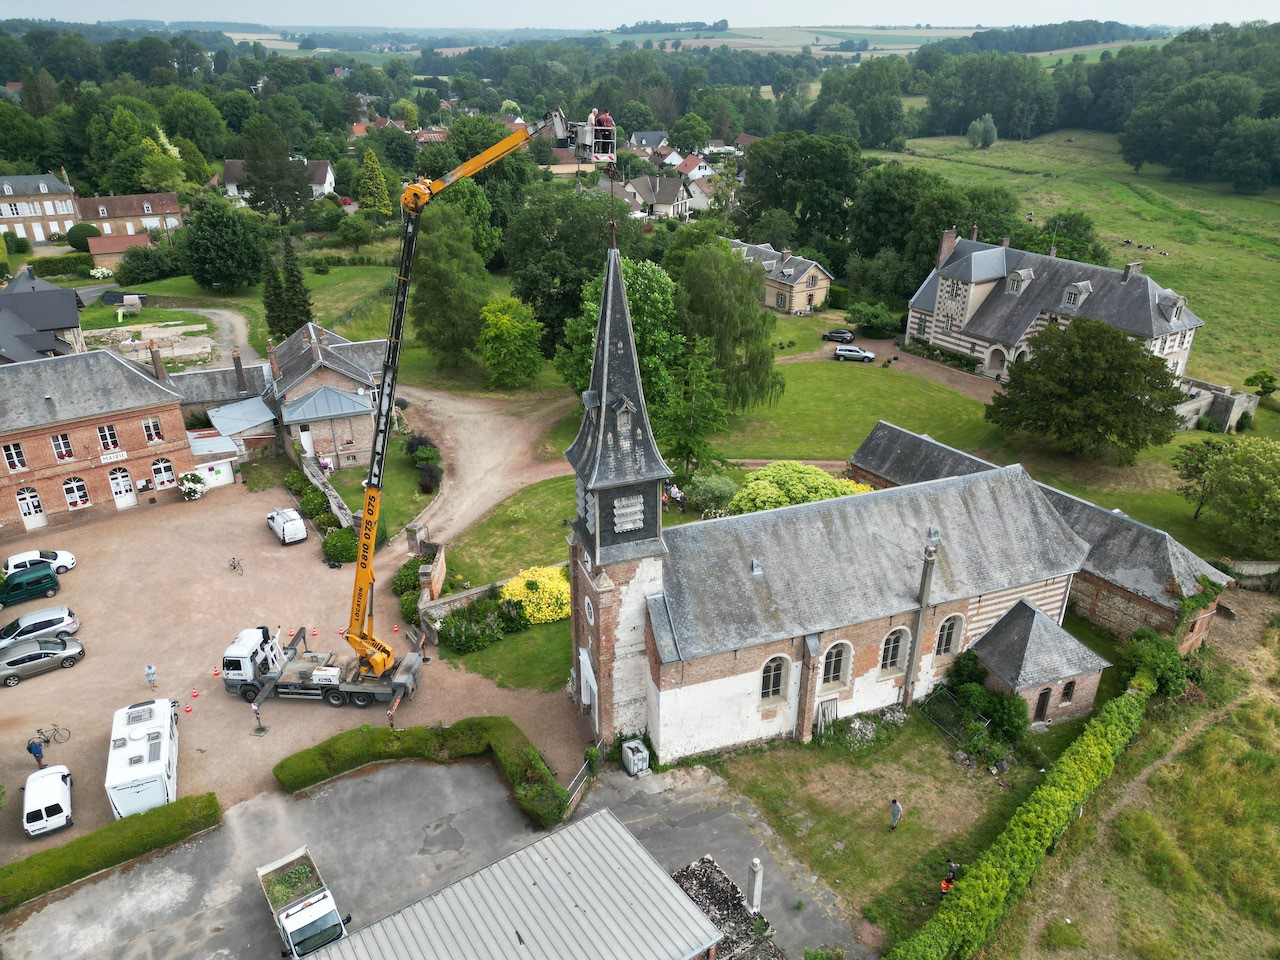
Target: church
(741,629)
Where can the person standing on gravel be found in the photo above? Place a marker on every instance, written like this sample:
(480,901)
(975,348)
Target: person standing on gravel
(150,674)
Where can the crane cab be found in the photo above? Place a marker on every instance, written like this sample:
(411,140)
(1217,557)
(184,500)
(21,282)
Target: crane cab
(595,144)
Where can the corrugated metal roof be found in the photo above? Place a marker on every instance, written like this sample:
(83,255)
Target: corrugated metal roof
(244,415)
(588,890)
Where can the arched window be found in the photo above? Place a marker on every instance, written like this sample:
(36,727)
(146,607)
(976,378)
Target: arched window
(162,470)
(1068,691)
(29,504)
(102,211)
(146,208)
(44,187)
(835,664)
(76,492)
(891,653)
(771,678)
(949,636)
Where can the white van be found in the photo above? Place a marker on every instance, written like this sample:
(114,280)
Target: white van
(287,524)
(46,801)
(142,764)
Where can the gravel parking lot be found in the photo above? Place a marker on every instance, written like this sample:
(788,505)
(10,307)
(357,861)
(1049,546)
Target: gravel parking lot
(154,586)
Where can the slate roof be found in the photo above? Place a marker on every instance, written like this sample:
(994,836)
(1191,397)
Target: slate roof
(648,139)
(778,266)
(29,185)
(325,403)
(852,560)
(663,191)
(1025,648)
(217,385)
(41,305)
(587,890)
(78,385)
(302,353)
(901,456)
(233,172)
(1138,306)
(602,458)
(130,205)
(1123,551)
(242,415)
(317,172)
(19,342)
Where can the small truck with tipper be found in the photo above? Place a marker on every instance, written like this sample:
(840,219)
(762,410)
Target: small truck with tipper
(256,667)
(301,903)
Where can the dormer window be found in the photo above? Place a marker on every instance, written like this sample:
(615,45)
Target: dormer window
(8,190)
(146,208)
(102,211)
(44,187)
(1177,312)
(1075,294)
(1071,299)
(1015,284)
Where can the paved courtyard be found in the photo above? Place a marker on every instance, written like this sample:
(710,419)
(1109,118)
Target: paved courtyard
(154,586)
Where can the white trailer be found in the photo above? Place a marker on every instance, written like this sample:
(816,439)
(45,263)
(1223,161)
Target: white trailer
(142,764)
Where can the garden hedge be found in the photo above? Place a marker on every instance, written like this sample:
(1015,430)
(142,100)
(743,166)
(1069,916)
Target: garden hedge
(65,264)
(988,889)
(534,786)
(106,847)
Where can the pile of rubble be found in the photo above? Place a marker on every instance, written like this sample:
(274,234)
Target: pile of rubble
(747,935)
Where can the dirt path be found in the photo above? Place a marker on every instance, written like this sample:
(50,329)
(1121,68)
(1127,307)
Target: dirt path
(490,449)
(233,331)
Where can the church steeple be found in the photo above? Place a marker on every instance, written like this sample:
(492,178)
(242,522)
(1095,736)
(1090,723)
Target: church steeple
(615,457)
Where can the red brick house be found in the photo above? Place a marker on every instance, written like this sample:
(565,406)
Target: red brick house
(132,214)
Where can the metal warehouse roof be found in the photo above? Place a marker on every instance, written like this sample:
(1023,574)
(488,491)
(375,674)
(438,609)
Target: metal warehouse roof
(588,890)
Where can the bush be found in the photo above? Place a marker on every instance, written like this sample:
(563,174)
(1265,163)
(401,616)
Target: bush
(966,669)
(422,449)
(512,617)
(16,244)
(314,503)
(838,299)
(708,492)
(106,847)
(409,606)
(193,486)
(326,522)
(429,480)
(1207,425)
(320,268)
(78,236)
(1245,422)
(474,627)
(1147,651)
(406,578)
(340,546)
(296,482)
(66,265)
(542,591)
(961,361)
(875,321)
(1008,715)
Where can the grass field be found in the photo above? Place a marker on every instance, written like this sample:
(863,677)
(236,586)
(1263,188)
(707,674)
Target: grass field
(791,40)
(1092,52)
(401,498)
(539,657)
(100,316)
(1224,248)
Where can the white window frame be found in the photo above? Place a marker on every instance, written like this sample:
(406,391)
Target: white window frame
(14,457)
(840,654)
(152,431)
(953,637)
(163,474)
(1071,298)
(62,449)
(108,438)
(102,211)
(76,492)
(893,664)
(146,208)
(29,502)
(776,689)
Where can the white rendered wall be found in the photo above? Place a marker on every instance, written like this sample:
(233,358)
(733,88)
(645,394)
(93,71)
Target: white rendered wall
(720,713)
(631,661)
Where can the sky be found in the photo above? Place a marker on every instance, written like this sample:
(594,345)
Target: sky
(575,15)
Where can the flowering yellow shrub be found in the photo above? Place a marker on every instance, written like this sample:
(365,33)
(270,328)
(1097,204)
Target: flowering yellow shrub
(542,591)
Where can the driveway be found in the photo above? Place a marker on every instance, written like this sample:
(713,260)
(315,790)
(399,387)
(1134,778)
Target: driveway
(152,585)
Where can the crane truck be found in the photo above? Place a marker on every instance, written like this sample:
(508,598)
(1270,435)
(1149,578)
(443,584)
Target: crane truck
(256,665)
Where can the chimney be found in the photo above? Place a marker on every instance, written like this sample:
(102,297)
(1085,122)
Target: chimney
(786,254)
(242,385)
(1004,241)
(1053,250)
(945,246)
(275,363)
(933,539)
(1131,270)
(315,344)
(973,233)
(324,336)
(161,373)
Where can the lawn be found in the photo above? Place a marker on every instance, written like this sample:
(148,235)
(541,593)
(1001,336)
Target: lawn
(537,658)
(100,316)
(267,473)
(1224,248)
(402,501)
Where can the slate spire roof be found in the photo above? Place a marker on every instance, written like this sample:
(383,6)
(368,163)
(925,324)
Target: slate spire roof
(615,445)
(1025,648)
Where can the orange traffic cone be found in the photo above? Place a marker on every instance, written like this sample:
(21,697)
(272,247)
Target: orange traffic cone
(217,672)
(188,708)
(397,629)
(313,631)
(194,693)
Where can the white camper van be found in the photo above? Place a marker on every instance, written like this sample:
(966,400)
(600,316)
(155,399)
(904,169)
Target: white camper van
(142,765)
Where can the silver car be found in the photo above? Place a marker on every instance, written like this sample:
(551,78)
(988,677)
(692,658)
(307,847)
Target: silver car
(36,656)
(57,622)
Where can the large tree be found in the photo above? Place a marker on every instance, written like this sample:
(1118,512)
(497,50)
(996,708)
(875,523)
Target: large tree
(1245,482)
(510,342)
(718,301)
(222,248)
(294,296)
(1093,390)
(272,299)
(450,286)
(275,183)
(371,187)
(694,412)
(785,483)
(1193,465)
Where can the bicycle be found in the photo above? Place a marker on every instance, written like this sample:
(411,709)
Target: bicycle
(237,566)
(55,734)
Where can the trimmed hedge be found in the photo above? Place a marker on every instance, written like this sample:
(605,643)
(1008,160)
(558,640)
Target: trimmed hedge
(536,791)
(109,846)
(987,890)
(66,264)
(340,546)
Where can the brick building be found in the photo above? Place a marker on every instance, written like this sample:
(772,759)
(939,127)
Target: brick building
(85,434)
(37,206)
(131,215)
(1134,576)
(730,631)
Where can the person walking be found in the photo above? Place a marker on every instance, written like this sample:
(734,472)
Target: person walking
(36,749)
(895,813)
(150,674)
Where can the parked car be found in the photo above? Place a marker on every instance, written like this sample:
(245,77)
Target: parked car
(57,622)
(850,352)
(839,336)
(60,560)
(37,581)
(287,524)
(31,657)
(346,201)
(46,801)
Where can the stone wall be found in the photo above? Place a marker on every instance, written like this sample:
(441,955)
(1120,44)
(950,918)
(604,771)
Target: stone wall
(1221,404)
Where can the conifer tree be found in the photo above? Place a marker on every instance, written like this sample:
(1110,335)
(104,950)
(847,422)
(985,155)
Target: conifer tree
(371,187)
(294,296)
(272,299)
